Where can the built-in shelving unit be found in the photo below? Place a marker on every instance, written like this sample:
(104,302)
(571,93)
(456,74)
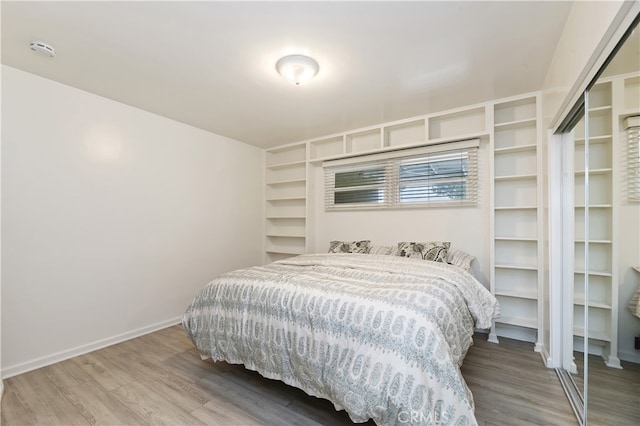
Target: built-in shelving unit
(286,201)
(449,126)
(287,210)
(516,261)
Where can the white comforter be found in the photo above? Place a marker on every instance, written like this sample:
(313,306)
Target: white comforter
(380,336)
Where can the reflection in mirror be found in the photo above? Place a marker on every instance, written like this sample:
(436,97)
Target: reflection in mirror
(612,393)
(607,244)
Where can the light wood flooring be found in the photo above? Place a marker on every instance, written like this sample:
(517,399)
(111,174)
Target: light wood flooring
(160,379)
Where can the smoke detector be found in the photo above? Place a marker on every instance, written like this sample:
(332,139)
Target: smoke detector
(43,49)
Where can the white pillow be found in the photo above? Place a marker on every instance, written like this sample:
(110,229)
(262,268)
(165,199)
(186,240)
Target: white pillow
(461,259)
(388,250)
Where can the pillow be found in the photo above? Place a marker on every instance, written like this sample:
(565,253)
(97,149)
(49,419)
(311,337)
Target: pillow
(433,250)
(349,246)
(461,259)
(388,250)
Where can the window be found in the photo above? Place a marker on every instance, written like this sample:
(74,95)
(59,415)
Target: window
(362,185)
(434,178)
(442,175)
(632,125)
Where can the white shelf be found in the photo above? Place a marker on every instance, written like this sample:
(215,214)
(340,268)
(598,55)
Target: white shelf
(530,239)
(290,234)
(520,109)
(405,133)
(462,137)
(285,244)
(597,335)
(363,141)
(519,321)
(281,227)
(515,123)
(327,147)
(594,139)
(285,198)
(595,206)
(592,303)
(515,177)
(522,267)
(530,294)
(285,165)
(284,251)
(601,109)
(594,273)
(594,172)
(514,149)
(383,149)
(286,181)
(457,124)
(516,208)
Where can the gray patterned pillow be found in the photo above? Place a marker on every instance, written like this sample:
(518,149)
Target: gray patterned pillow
(433,250)
(349,246)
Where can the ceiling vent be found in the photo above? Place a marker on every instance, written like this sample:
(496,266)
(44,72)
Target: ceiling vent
(43,49)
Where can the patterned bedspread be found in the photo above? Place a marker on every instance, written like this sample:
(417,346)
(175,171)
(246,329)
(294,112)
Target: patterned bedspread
(382,337)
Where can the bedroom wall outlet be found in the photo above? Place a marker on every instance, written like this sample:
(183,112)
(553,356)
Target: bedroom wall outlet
(637,343)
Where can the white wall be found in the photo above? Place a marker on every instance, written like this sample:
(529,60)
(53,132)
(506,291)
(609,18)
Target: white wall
(467,228)
(112,218)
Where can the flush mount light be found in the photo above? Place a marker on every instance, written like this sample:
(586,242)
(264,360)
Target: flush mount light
(298,69)
(43,49)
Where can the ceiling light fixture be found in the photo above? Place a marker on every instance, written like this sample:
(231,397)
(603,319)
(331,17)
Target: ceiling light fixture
(43,49)
(298,69)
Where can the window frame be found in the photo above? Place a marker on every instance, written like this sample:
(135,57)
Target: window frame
(391,161)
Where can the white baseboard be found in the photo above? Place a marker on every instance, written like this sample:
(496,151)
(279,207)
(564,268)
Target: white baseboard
(34,364)
(546,358)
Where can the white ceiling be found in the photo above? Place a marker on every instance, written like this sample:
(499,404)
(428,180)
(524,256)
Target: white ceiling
(212,64)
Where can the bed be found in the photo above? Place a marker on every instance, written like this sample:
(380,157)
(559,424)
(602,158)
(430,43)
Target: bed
(382,337)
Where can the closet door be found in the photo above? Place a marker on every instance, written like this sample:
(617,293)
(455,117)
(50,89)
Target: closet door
(613,371)
(602,240)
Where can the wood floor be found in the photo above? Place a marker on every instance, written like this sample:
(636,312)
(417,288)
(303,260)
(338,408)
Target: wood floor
(160,379)
(614,395)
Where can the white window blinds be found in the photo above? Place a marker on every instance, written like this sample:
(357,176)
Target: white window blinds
(441,175)
(632,125)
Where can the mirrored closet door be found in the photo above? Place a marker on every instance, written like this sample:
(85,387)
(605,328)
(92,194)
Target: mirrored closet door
(605,242)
